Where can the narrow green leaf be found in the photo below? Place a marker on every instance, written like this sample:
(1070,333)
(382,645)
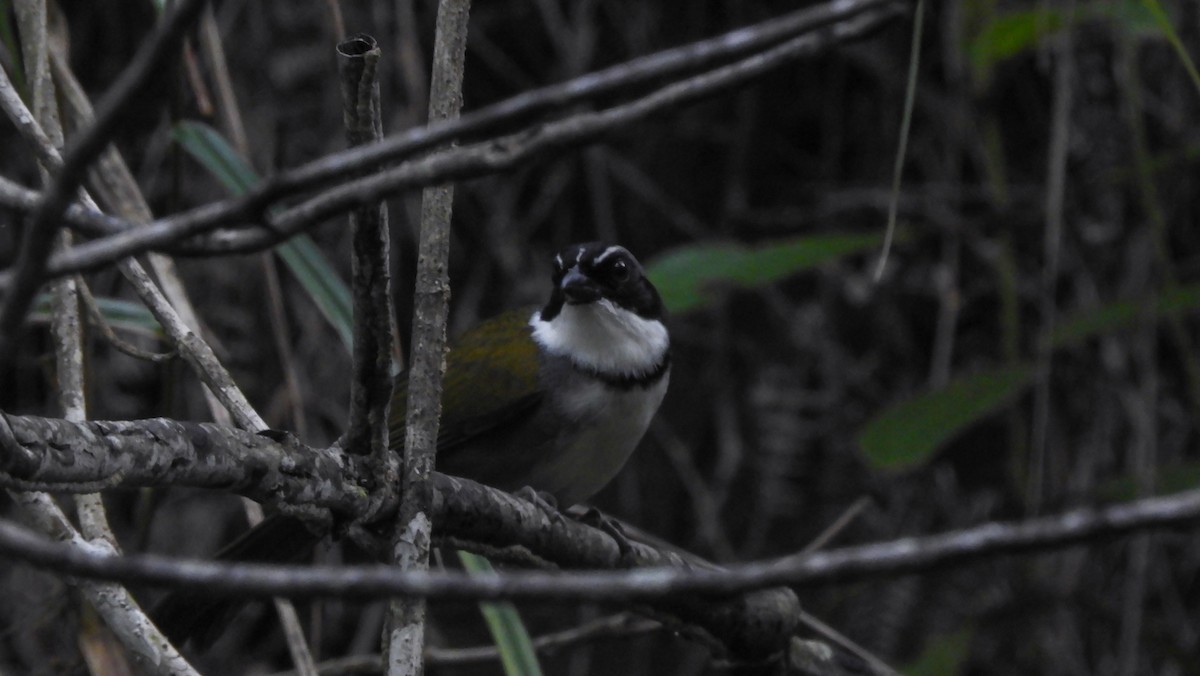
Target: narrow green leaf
(685,275)
(1162,22)
(1124,314)
(299,254)
(120,314)
(945,654)
(1171,478)
(1135,17)
(512,639)
(207,146)
(1012,33)
(322,283)
(908,433)
(1009,34)
(9,38)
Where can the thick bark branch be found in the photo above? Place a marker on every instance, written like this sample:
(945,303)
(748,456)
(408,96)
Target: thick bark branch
(52,453)
(500,524)
(63,456)
(885,559)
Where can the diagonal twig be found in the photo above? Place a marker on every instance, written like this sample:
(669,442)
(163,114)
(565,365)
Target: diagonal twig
(43,228)
(468,161)
(885,559)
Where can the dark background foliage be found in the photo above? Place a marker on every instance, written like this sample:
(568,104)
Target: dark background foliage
(758,447)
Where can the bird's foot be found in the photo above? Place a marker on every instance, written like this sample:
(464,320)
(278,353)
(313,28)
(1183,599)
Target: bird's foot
(596,519)
(544,501)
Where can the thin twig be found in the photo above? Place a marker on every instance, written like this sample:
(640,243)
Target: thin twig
(172,308)
(1056,186)
(405,631)
(111,602)
(621,625)
(367,431)
(885,559)
(96,315)
(371,383)
(150,650)
(840,524)
(43,228)
(467,161)
(910,96)
(227,107)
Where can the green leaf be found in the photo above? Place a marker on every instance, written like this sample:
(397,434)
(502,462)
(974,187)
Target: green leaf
(685,275)
(943,655)
(1171,478)
(1124,314)
(299,254)
(1138,18)
(1161,23)
(908,433)
(1007,35)
(512,639)
(322,283)
(120,314)
(9,38)
(208,147)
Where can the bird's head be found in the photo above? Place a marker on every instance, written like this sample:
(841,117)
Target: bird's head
(603,312)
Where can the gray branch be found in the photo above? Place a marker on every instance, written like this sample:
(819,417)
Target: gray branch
(404,634)
(52,451)
(371,385)
(57,455)
(54,454)
(175,233)
(43,229)
(897,557)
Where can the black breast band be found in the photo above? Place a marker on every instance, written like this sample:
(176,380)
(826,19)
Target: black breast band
(627,382)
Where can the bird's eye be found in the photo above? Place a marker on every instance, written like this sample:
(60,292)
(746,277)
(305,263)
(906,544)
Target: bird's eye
(620,271)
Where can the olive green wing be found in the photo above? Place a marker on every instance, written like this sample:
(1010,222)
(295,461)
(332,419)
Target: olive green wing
(491,380)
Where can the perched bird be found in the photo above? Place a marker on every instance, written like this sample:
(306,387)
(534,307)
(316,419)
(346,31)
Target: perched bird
(553,398)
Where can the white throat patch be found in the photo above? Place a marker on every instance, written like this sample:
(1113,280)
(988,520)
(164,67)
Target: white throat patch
(603,336)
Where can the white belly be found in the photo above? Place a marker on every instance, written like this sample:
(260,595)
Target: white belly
(611,422)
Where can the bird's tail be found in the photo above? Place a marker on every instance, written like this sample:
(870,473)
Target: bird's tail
(202,615)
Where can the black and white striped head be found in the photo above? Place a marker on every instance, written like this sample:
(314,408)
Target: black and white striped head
(603,312)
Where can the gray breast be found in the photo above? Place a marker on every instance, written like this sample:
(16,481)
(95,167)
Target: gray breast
(600,426)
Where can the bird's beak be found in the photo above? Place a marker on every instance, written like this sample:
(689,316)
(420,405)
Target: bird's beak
(579,288)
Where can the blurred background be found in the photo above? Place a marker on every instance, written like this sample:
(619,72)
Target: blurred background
(1029,347)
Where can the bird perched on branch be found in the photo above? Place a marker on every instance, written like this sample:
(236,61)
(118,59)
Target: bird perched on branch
(553,398)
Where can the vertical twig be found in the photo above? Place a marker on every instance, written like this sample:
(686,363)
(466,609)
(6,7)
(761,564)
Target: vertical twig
(410,61)
(1056,181)
(115,188)
(367,431)
(112,602)
(371,386)
(173,309)
(910,95)
(405,638)
(1143,408)
(43,227)
(227,108)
